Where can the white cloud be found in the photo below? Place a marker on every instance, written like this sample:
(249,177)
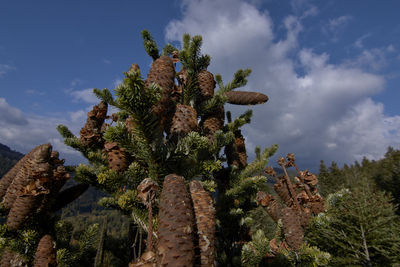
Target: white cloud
(34,92)
(4,68)
(22,131)
(10,114)
(85,95)
(341,21)
(324,113)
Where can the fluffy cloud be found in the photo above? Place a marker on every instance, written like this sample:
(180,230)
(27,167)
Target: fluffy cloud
(22,131)
(85,95)
(317,109)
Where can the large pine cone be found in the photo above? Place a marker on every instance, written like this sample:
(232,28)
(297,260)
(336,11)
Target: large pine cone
(9,176)
(292,228)
(213,122)
(117,157)
(206,85)
(205,222)
(184,121)
(91,134)
(246,98)
(12,259)
(176,223)
(236,151)
(34,168)
(45,255)
(24,206)
(162,73)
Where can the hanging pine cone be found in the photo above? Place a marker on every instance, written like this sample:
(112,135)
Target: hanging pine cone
(34,168)
(162,73)
(205,222)
(45,255)
(175,224)
(117,157)
(91,135)
(246,98)
(213,122)
(283,192)
(236,152)
(206,83)
(184,121)
(292,228)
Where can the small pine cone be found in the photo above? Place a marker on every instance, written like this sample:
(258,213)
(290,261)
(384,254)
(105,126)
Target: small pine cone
(162,73)
(213,122)
(317,204)
(309,178)
(206,85)
(91,135)
(146,191)
(236,152)
(271,204)
(130,124)
(205,222)
(246,98)
(12,259)
(175,245)
(283,192)
(292,228)
(184,121)
(45,255)
(117,157)
(34,168)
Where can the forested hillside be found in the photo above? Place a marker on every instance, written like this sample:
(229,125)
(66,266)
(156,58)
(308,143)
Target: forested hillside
(8,158)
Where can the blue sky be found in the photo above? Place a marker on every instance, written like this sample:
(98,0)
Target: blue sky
(330,68)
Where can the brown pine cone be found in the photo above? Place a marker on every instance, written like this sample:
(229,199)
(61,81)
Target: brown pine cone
(184,121)
(91,135)
(45,255)
(205,221)
(34,168)
(246,98)
(206,85)
(175,245)
(292,228)
(117,157)
(9,176)
(236,152)
(12,259)
(282,190)
(162,73)
(213,122)
(271,205)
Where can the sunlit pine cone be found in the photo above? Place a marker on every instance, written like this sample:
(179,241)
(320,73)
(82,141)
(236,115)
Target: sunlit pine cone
(205,221)
(6,180)
(175,244)
(283,192)
(246,98)
(162,73)
(35,167)
(184,121)
(90,134)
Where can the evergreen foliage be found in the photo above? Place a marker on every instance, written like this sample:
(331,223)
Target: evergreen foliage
(359,227)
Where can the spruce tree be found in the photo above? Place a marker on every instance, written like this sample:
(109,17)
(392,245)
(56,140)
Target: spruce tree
(359,227)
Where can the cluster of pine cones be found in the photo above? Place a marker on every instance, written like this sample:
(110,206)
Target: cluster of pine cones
(31,188)
(299,201)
